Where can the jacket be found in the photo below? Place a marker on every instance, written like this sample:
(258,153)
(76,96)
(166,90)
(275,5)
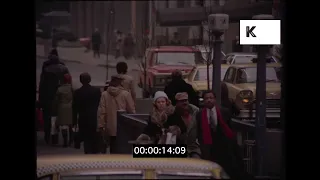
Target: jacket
(63,105)
(112,100)
(188,133)
(128,84)
(176,86)
(50,78)
(85,106)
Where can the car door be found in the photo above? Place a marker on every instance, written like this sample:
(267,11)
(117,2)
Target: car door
(229,81)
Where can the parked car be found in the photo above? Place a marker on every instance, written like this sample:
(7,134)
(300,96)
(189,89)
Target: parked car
(198,77)
(240,81)
(244,58)
(74,167)
(205,51)
(160,62)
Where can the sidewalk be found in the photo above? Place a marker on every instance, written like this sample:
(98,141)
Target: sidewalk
(78,55)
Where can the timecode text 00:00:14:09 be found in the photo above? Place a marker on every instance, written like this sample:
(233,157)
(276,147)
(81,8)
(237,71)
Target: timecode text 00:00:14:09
(161,150)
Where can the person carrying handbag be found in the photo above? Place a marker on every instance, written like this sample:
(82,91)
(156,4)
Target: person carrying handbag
(85,106)
(113,99)
(63,110)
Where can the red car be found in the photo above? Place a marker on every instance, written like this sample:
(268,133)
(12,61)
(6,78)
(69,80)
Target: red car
(160,62)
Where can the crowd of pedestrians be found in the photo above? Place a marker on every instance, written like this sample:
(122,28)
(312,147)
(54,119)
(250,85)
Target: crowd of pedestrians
(90,116)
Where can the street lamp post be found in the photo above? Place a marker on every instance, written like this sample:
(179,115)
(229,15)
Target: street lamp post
(107,37)
(260,121)
(217,24)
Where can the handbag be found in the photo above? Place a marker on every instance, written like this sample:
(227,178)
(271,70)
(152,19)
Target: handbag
(54,130)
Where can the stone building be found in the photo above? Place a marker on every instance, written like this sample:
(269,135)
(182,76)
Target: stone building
(161,18)
(107,16)
(195,16)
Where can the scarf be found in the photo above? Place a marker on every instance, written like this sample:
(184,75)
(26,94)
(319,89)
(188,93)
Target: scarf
(206,130)
(159,118)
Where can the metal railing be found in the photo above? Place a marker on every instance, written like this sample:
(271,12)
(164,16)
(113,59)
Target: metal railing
(130,126)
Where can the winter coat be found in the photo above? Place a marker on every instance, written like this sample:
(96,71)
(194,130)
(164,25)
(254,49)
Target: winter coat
(128,84)
(180,85)
(188,132)
(85,106)
(51,76)
(112,100)
(63,105)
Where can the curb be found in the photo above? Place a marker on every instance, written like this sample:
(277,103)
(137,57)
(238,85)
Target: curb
(63,60)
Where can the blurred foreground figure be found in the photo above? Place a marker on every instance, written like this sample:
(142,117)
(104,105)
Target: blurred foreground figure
(62,109)
(85,106)
(52,75)
(114,99)
(179,85)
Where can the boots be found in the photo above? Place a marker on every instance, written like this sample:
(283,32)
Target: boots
(65,137)
(70,136)
(54,139)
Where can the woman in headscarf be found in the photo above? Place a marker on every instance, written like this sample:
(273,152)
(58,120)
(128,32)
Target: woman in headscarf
(162,108)
(63,109)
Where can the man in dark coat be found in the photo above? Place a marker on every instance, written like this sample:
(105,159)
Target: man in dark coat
(52,74)
(96,42)
(179,85)
(85,106)
(175,41)
(128,46)
(216,139)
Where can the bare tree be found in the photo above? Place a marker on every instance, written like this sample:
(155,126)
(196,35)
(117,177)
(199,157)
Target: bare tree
(143,64)
(208,53)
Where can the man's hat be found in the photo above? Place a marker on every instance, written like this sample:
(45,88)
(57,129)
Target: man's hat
(181,96)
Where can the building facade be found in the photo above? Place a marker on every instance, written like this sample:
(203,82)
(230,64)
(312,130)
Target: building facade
(108,16)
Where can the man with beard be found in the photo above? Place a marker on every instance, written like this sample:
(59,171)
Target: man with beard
(85,106)
(179,85)
(217,141)
(53,71)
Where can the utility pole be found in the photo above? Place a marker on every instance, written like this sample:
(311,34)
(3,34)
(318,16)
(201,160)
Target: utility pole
(217,24)
(260,122)
(110,14)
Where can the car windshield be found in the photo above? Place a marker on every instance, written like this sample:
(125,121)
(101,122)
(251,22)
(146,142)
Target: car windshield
(179,58)
(243,59)
(201,74)
(249,75)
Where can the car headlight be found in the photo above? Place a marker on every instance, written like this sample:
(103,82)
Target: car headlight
(245,96)
(160,80)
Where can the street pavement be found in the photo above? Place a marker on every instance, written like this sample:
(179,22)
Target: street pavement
(98,73)
(78,55)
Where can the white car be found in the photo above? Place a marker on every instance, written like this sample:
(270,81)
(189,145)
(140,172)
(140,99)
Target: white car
(205,51)
(244,58)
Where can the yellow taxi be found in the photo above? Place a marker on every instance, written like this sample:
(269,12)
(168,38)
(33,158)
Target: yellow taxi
(198,77)
(98,166)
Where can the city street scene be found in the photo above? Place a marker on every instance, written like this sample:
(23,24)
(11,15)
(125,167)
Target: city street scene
(157,90)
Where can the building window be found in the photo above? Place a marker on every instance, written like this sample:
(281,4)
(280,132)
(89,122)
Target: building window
(199,3)
(180,4)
